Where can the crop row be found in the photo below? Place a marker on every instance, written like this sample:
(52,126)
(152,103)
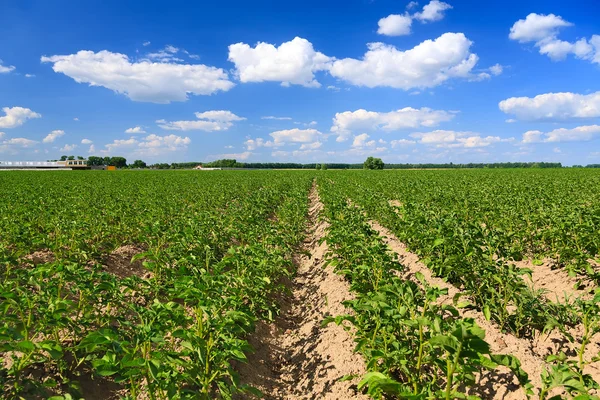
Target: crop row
(215,260)
(415,346)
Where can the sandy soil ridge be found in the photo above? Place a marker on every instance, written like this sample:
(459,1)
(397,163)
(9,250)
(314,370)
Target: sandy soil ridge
(297,358)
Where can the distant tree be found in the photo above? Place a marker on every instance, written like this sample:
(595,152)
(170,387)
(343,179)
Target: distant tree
(323,167)
(63,158)
(106,161)
(95,161)
(138,164)
(119,162)
(373,163)
(80,158)
(71,158)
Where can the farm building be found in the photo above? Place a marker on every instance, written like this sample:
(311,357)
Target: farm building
(52,165)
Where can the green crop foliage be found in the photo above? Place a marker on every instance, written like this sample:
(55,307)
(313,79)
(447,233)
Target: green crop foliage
(149,283)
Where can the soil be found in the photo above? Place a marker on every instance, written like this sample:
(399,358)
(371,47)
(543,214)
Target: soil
(501,383)
(119,263)
(296,357)
(557,283)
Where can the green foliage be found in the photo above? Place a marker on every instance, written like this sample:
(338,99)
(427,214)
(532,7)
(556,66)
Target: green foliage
(138,164)
(323,167)
(214,254)
(373,163)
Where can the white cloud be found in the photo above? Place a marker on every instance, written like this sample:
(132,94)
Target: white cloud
(402,142)
(19,142)
(395,25)
(237,156)
(86,141)
(553,106)
(149,146)
(333,88)
(229,147)
(295,136)
(141,81)
(154,145)
(294,62)
(6,69)
(137,129)
(146,43)
(75,119)
(412,5)
(52,136)
(434,11)
(2,135)
(209,121)
(543,30)
(361,141)
(29,76)
(253,144)
(165,55)
(496,69)
(510,121)
(345,123)
(579,134)
(428,64)
(16,116)
(454,139)
(68,147)
(277,118)
(311,146)
(536,27)
(92,149)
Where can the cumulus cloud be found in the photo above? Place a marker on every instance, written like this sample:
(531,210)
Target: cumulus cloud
(579,134)
(29,76)
(16,116)
(136,129)
(434,11)
(362,140)
(208,121)
(395,25)
(311,146)
(428,64)
(157,82)
(345,123)
(295,136)
(454,139)
(68,147)
(86,141)
(6,69)
(553,106)
(52,136)
(543,30)
(148,146)
(291,63)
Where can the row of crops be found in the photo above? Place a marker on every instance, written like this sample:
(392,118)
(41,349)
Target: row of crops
(215,249)
(470,228)
(148,284)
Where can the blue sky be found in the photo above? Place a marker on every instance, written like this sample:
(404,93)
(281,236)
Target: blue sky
(433,81)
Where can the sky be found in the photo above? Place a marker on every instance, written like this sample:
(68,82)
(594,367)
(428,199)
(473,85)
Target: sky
(314,81)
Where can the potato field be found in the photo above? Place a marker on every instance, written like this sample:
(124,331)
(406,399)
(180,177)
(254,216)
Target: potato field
(414,284)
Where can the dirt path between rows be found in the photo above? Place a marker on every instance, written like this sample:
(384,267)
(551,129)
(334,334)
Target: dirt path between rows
(297,358)
(499,384)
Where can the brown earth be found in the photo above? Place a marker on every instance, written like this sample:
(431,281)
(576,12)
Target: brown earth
(296,357)
(557,283)
(120,264)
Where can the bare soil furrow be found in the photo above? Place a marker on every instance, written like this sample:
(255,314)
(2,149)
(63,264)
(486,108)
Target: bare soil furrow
(296,357)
